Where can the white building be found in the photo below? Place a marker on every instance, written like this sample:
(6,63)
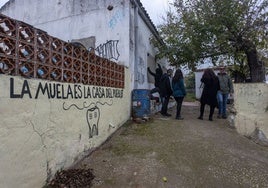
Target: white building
(94,23)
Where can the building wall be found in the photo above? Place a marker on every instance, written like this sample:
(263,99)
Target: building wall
(144,52)
(73,20)
(76,19)
(251,104)
(40,135)
(198,86)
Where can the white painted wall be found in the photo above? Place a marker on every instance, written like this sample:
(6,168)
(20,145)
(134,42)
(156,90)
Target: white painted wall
(198,87)
(144,48)
(40,136)
(76,19)
(251,104)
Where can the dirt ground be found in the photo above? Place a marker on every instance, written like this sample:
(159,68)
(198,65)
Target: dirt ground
(169,153)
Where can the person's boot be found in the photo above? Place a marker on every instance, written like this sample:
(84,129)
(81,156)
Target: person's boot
(179,118)
(224,116)
(200,117)
(210,118)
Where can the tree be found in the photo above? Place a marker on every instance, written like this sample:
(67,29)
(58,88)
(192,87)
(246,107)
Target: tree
(195,30)
(190,81)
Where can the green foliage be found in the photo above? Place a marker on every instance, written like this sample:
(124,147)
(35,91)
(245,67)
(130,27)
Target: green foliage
(190,81)
(196,30)
(190,97)
(240,71)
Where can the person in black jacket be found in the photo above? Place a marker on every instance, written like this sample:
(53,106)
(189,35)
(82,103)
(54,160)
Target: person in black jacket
(209,93)
(165,91)
(157,76)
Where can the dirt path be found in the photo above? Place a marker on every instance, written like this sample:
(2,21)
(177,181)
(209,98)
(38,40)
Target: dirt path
(169,153)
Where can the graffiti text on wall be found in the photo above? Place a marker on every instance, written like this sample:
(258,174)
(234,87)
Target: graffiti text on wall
(116,18)
(62,91)
(141,70)
(109,50)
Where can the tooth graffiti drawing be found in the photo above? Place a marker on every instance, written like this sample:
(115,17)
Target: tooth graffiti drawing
(92,116)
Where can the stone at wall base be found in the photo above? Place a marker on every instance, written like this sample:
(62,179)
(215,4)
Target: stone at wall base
(258,137)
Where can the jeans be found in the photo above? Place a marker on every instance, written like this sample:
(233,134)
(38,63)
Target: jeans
(222,100)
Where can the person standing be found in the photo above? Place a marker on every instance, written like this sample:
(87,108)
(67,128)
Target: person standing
(165,91)
(157,76)
(226,88)
(179,91)
(209,93)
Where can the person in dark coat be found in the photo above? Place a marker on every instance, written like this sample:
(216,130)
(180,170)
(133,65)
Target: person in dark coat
(209,93)
(165,91)
(179,91)
(157,76)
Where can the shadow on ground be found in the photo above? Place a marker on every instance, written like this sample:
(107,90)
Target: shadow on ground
(169,153)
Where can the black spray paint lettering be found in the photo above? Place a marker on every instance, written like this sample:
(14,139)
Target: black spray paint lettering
(117,93)
(43,90)
(87,92)
(98,92)
(60,91)
(109,50)
(24,90)
(114,93)
(109,93)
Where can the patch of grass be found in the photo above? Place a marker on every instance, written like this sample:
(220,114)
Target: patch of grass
(127,124)
(190,97)
(109,181)
(123,146)
(143,130)
(121,149)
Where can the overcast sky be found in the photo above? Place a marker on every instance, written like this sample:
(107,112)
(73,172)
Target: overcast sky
(2,2)
(155,8)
